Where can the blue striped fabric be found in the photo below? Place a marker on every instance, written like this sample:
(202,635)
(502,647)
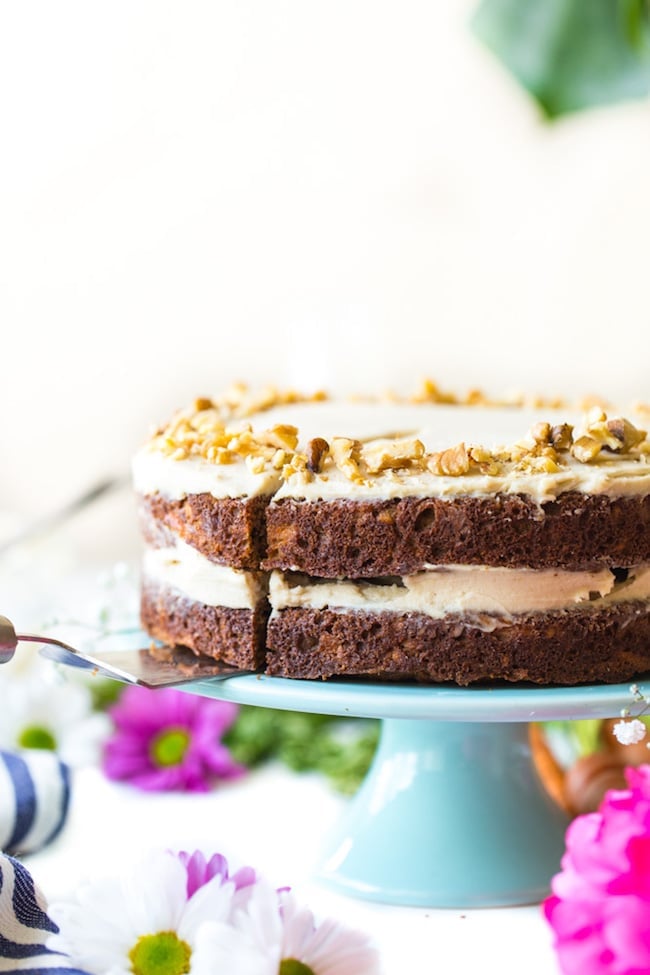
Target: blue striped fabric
(34,799)
(25,926)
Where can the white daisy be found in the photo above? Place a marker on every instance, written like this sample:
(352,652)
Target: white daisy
(289,941)
(222,947)
(43,710)
(142,923)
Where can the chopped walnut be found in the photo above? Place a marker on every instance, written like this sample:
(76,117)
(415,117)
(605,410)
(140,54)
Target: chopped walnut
(429,392)
(627,435)
(317,450)
(220,455)
(585,449)
(486,462)
(562,436)
(297,469)
(345,454)
(255,465)
(240,401)
(452,462)
(203,403)
(391,455)
(543,461)
(617,435)
(279,460)
(541,433)
(282,436)
(476,397)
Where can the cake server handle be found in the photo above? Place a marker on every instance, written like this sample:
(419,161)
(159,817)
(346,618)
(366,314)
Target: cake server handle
(153,666)
(8,640)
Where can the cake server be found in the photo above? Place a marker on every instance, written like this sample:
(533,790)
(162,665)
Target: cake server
(154,666)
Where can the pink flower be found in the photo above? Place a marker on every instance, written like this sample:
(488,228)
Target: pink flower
(200,871)
(166,739)
(600,907)
(274,935)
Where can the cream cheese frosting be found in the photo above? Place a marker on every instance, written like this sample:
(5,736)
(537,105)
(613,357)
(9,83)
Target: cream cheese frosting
(437,426)
(463,589)
(174,479)
(437,591)
(182,568)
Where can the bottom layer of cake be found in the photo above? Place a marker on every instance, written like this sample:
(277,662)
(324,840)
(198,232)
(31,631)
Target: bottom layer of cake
(234,636)
(573,646)
(565,647)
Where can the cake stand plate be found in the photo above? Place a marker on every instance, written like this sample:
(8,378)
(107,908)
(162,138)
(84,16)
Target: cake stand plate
(452,812)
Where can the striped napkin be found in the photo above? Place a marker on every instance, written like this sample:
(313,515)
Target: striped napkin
(25,926)
(34,798)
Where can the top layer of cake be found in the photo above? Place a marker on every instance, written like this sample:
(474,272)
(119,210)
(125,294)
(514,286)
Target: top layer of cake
(322,450)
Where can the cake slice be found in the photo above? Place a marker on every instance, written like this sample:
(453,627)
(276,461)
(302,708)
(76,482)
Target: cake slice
(203,484)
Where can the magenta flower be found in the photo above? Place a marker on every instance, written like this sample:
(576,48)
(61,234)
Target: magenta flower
(166,739)
(600,906)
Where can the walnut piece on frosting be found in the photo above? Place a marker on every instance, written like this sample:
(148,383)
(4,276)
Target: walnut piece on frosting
(540,461)
(346,455)
(430,392)
(562,436)
(617,436)
(240,401)
(283,437)
(452,462)
(317,451)
(391,455)
(585,449)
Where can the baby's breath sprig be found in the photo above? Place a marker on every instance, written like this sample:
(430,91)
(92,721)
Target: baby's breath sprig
(630,730)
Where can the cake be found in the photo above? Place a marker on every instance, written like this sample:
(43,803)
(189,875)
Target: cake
(417,538)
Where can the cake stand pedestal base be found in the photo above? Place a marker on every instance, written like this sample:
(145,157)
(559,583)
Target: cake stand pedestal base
(452,812)
(449,815)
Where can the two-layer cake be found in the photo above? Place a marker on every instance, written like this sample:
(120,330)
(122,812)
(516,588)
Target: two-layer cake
(400,540)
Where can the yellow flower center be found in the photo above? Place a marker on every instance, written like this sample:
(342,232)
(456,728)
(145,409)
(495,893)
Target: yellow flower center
(160,954)
(35,736)
(169,747)
(291,966)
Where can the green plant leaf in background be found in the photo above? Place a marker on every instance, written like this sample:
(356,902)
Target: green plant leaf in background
(571,54)
(339,748)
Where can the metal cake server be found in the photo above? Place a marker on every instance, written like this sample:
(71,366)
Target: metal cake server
(153,666)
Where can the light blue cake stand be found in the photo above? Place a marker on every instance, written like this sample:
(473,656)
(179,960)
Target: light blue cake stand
(452,812)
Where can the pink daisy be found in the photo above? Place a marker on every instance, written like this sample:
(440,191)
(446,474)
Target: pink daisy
(276,936)
(166,739)
(200,871)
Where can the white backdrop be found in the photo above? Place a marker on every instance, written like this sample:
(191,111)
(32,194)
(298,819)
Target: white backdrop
(351,194)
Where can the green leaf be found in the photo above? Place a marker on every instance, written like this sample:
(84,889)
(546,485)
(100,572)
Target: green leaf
(104,692)
(340,749)
(571,54)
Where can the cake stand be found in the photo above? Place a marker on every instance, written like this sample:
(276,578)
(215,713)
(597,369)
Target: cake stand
(452,812)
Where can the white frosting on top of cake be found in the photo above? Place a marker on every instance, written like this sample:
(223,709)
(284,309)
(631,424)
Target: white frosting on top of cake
(462,589)
(437,426)
(175,479)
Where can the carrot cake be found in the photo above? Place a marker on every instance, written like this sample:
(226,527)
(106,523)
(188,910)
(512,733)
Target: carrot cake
(403,539)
